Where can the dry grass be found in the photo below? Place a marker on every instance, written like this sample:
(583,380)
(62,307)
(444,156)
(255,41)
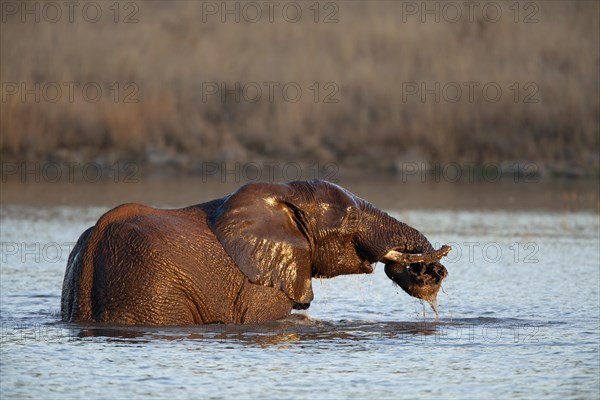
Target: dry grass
(369,54)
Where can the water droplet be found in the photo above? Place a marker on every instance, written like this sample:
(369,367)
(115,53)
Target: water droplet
(434,306)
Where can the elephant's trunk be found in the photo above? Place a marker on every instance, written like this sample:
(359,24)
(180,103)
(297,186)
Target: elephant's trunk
(381,233)
(410,260)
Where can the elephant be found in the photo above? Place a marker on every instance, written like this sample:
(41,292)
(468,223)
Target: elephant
(248,257)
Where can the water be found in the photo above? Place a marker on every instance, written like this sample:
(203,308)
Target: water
(519,318)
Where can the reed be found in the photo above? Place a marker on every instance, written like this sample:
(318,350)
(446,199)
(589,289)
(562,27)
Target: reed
(369,61)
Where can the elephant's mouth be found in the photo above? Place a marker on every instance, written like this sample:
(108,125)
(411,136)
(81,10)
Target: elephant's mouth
(419,275)
(366,267)
(419,280)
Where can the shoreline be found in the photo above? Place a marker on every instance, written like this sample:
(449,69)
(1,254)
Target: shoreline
(386,192)
(77,169)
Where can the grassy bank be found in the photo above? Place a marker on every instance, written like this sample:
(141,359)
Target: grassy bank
(380,87)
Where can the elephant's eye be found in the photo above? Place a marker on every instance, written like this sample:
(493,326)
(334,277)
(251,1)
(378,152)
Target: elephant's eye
(350,219)
(352,216)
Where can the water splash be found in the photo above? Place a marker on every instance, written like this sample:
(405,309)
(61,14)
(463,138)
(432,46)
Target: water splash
(434,306)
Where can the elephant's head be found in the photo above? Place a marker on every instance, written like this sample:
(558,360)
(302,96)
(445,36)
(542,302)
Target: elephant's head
(283,235)
(420,275)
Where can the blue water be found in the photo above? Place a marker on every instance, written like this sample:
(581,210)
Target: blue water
(519,318)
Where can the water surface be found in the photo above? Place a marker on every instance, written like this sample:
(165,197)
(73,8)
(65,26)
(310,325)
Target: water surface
(518,319)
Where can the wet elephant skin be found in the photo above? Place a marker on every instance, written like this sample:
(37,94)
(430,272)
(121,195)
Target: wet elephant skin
(247,257)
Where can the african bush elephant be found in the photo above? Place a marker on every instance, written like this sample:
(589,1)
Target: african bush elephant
(247,257)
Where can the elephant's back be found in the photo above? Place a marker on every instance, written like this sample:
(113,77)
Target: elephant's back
(78,284)
(140,262)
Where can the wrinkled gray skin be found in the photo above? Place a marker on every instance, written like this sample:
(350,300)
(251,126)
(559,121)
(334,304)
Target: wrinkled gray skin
(247,257)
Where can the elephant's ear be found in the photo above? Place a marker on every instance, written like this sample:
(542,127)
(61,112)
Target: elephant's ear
(266,235)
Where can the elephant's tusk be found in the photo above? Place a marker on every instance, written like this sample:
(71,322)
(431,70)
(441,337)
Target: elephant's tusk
(397,256)
(407,258)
